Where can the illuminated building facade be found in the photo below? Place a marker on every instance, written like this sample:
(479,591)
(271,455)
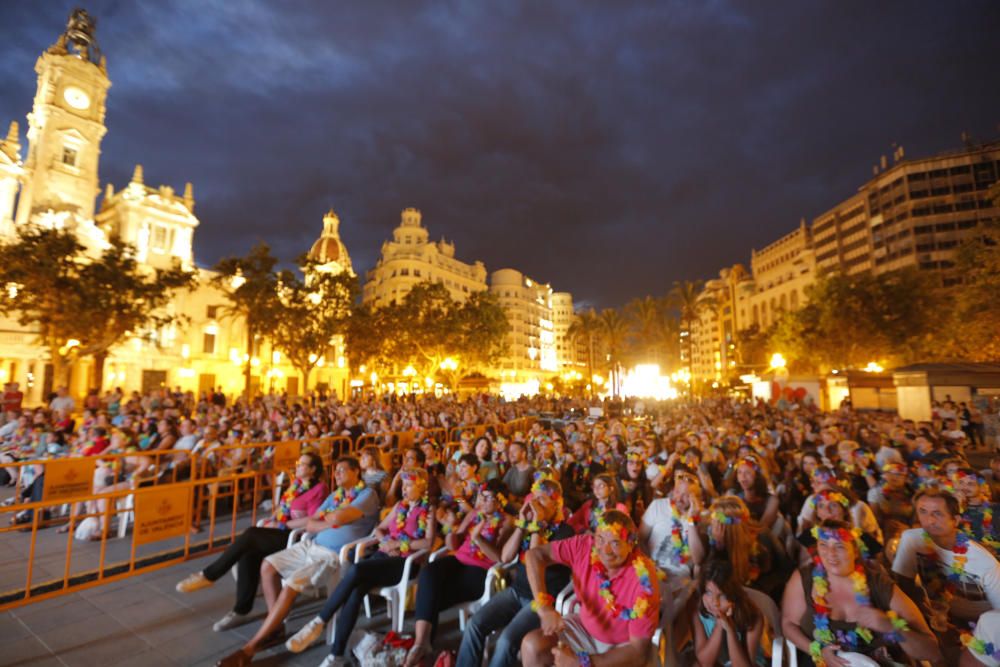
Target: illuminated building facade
(532,353)
(410,258)
(57,185)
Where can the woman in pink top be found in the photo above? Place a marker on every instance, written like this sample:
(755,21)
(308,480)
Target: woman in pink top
(461,577)
(299,502)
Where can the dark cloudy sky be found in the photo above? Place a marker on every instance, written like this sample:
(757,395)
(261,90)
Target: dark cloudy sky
(609,148)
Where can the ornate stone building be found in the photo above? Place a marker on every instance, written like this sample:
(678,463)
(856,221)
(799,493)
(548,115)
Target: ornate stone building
(411,257)
(57,185)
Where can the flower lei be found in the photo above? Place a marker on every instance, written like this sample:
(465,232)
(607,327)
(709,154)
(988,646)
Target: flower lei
(823,635)
(980,647)
(398,531)
(283,512)
(953,573)
(530,528)
(641,606)
(342,497)
(489,531)
(679,552)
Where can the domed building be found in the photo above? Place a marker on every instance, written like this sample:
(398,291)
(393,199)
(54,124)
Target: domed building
(329,252)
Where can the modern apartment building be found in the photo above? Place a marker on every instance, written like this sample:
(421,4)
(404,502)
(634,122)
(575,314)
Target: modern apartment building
(529,307)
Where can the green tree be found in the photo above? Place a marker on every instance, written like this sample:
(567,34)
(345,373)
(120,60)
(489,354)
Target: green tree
(40,272)
(251,285)
(852,320)
(310,313)
(972,331)
(615,329)
(684,297)
(586,326)
(116,297)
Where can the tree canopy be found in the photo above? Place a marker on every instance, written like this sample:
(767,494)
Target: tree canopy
(55,288)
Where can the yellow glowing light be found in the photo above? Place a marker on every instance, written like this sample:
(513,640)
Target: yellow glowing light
(71,343)
(12,290)
(429,382)
(255,362)
(212,329)
(276,357)
(873,367)
(598,380)
(374,377)
(549,386)
(778,360)
(185,372)
(449,364)
(645,381)
(313,358)
(185,350)
(341,362)
(357,383)
(237,281)
(315,298)
(321,362)
(409,371)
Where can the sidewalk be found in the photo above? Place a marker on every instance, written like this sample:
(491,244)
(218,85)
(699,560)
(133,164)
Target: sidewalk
(144,621)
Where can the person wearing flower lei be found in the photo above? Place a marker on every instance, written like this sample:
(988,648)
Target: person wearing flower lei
(842,603)
(752,486)
(977,518)
(409,528)
(509,611)
(460,577)
(300,501)
(618,592)
(758,559)
(728,626)
(605,497)
(982,647)
(961,577)
(347,514)
(833,505)
(892,499)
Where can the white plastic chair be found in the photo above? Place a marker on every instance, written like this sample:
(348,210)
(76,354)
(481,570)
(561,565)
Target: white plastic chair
(397,595)
(771,613)
(496,580)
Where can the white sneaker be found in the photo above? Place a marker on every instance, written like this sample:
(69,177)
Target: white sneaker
(193,582)
(334,661)
(305,637)
(230,620)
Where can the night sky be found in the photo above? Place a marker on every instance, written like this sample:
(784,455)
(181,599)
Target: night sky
(608,148)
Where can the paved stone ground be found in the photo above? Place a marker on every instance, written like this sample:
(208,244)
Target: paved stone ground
(144,621)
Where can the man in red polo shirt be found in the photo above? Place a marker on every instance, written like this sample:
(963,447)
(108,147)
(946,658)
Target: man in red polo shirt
(618,592)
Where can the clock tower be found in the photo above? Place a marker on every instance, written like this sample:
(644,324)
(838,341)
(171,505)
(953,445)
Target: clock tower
(65,128)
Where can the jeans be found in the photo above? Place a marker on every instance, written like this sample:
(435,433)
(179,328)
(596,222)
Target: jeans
(506,610)
(247,552)
(374,571)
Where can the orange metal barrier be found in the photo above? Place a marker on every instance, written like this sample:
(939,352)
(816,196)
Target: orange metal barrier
(162,535)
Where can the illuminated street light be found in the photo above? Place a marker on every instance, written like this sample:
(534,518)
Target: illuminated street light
(778,360)
(409,371)
(237,280)
(449,364)
(873,367)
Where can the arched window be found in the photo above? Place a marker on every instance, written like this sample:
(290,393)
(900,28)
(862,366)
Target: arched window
(795,299)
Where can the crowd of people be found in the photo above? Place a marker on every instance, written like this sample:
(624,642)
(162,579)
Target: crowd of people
(700,530)
(862,538)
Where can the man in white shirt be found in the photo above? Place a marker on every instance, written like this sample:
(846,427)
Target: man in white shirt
(953,569)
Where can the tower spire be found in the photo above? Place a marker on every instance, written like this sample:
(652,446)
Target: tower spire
(137,174)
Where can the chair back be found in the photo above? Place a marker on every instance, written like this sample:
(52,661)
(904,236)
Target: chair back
(768,608)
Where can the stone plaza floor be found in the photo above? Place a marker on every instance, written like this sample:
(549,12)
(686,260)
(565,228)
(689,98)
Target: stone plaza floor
(144,621)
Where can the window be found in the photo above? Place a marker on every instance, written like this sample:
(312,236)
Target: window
(211,312)
(161,238)
(69,156)
(208,343)
(416,272)
(404,272)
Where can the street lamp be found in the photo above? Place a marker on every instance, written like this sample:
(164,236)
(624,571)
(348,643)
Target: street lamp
(778,361)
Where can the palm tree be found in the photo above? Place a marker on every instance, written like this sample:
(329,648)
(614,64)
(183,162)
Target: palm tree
(684,297)
(615,329)
(645,314)
(586,326)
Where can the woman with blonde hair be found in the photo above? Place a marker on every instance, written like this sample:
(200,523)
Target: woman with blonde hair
(758,559)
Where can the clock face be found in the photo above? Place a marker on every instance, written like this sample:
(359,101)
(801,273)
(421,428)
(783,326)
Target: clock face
(76,98)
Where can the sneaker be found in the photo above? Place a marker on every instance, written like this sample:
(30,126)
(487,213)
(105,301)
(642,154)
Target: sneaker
(305,637)
(193,582)
(230,620)
(334,661)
